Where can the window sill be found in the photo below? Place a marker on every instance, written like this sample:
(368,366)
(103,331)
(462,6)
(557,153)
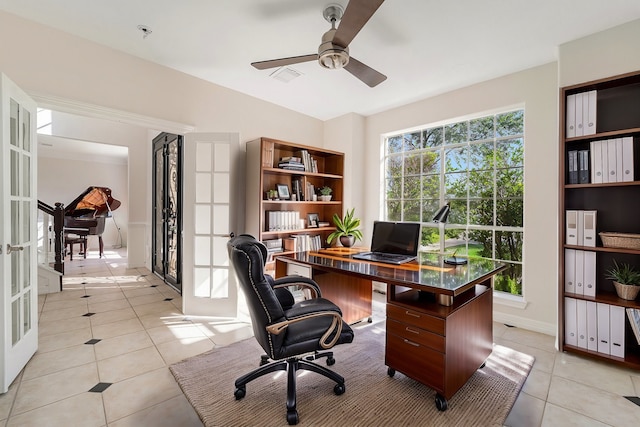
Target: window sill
(508,300)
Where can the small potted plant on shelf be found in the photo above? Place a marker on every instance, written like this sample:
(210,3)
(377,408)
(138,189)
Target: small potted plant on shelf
(346,229)
(626,280)
(325,193)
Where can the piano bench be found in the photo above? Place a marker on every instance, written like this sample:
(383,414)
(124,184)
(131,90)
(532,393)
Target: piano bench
(70,240)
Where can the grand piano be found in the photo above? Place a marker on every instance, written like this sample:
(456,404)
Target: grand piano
(86,215)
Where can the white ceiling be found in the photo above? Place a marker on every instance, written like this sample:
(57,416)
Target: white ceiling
(424,47)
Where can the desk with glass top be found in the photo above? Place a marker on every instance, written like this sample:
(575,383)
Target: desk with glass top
(439,316)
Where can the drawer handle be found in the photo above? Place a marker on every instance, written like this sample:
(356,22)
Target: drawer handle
(411,343)
(409,313)
(413,331)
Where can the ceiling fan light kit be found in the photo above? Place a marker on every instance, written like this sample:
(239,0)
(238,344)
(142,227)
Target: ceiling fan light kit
(333,52)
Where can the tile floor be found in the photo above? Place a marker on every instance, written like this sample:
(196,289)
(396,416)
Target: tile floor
(107,340)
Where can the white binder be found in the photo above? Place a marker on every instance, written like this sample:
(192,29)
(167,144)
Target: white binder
(570,319)
(627,158)
(571,116)
(572,227)
(603,328)
(588,228)
(616,322)
(590,121)
(596,162)
(570,271)
(579,272)
(589,273)
(612,171)
(580,228)
(604,153)
(581,316)
(579,115)
(592,326)
(619,160)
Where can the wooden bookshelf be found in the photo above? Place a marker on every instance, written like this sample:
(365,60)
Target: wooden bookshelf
(263,174)
(617,205)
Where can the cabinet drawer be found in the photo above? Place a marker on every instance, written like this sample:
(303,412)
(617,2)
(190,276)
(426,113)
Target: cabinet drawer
(416,361)
(416,318)
(300,270)
(417,335)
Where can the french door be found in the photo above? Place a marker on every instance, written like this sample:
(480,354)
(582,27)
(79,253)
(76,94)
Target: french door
(167,208)
(18,257)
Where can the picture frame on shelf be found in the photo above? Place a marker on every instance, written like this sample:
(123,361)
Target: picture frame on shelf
(313,220)
(283,191)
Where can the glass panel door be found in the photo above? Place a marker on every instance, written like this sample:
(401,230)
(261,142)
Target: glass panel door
(167,203)
(17,234)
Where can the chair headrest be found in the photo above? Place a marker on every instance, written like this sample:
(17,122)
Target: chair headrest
(246,242)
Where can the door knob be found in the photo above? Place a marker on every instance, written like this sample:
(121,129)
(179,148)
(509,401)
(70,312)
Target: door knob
(13,248)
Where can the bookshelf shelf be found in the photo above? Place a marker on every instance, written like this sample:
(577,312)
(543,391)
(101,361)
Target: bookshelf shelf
(616,205)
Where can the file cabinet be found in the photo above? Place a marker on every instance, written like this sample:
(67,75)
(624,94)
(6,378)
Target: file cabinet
(599,192)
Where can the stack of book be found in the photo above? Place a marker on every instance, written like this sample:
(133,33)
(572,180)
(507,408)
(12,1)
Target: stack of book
(291,163)
(310,164)
(282,220)
(304,242)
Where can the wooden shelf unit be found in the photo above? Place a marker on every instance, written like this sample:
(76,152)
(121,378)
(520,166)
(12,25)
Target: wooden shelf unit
(263,174)
(617,204)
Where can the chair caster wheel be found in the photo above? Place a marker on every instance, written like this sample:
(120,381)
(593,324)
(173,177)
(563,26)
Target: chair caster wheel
(391,372)
(339,389)
(240,393)
(441,403)
(292,417)
(331,361)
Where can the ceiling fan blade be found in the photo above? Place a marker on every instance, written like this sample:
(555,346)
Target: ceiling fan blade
(273,63)
(357,13)
(368,75)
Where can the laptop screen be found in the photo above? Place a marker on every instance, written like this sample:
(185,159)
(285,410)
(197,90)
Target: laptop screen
(395,237)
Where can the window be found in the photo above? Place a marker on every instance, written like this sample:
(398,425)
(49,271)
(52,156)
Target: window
(477,166)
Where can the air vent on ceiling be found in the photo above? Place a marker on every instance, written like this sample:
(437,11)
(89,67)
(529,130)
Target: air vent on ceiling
(285,74)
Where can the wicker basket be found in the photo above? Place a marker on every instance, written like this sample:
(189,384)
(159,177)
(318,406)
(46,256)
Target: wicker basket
(628,292)
(620,240)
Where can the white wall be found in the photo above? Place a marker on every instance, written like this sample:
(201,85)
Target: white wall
(537,90)
(49,62)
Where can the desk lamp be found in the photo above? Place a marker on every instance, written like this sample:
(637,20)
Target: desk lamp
(441,218)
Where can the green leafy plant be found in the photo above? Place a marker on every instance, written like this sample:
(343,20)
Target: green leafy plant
(325,191)
(624,273)
(346,226)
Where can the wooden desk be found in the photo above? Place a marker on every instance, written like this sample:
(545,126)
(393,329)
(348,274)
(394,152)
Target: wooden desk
(439,317)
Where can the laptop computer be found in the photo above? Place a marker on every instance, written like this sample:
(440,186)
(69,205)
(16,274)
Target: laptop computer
(392,242)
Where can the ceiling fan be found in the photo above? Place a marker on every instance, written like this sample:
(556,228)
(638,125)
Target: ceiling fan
(333,52)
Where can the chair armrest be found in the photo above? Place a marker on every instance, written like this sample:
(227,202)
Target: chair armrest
(302,281)
(336,326)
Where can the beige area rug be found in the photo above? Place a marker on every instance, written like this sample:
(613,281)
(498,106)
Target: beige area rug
(372,398)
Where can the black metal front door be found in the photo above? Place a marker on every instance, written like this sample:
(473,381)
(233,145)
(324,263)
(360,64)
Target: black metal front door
(167,208)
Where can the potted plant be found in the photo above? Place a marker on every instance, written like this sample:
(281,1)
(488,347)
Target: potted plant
(346,229)
(626,280)
(325,193)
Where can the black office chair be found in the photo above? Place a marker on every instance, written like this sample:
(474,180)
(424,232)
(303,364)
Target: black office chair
(286,330)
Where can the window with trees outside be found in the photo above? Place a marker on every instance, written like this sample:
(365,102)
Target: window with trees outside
(477,166)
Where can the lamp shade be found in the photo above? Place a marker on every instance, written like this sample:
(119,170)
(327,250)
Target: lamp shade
(442,214)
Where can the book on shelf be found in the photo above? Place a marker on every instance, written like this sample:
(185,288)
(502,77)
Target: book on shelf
(581,114)
(634,318)
(583,167)
(282,220)
(612,160)
(573,166)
